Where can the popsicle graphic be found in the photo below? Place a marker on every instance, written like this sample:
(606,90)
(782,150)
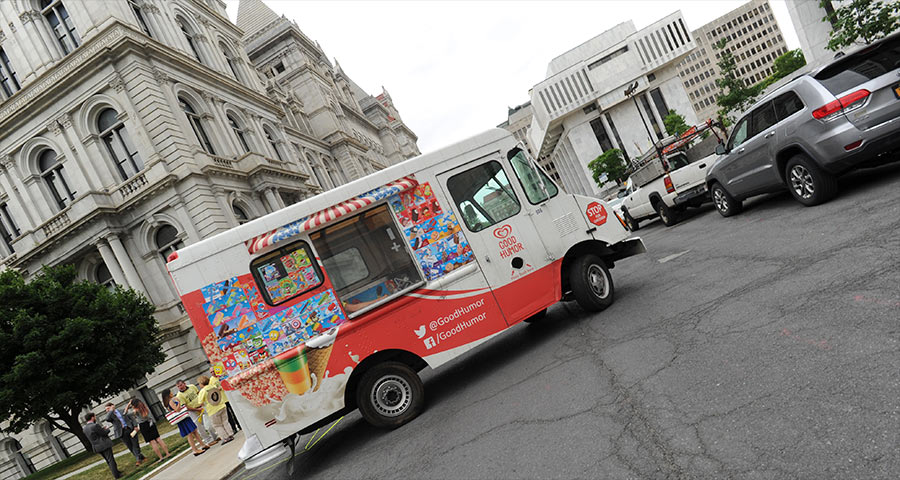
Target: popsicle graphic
(294,370)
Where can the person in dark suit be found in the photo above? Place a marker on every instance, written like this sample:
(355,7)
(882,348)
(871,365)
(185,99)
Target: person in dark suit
(100,442)
(123,427)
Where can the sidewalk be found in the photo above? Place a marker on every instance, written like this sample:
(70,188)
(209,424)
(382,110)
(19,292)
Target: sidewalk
(219,462)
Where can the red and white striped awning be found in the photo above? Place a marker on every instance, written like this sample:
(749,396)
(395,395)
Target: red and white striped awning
(329,214)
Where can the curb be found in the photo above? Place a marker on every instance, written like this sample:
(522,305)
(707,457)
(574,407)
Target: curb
(166,465)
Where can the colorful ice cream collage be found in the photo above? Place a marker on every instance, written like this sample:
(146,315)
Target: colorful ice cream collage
(434,235)
(248,331)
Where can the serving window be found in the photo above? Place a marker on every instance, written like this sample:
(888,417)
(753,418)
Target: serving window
(367,259)
(286,273)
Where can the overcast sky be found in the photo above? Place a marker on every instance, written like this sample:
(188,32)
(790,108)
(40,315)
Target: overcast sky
(454,67)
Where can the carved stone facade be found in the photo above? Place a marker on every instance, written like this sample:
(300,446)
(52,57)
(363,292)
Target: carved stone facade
(145,125)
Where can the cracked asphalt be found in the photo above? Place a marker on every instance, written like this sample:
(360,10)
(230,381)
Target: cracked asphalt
(767,350)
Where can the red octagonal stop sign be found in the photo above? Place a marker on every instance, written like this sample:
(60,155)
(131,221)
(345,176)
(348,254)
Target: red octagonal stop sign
(596,214)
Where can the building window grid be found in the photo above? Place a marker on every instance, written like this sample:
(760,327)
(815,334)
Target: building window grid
(197,126)
(9,81)
(189,37)
(61,24)
(9,231)
(271,139)
(140,17)
(239,133)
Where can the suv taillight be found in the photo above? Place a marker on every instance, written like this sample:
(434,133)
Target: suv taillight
(846,104)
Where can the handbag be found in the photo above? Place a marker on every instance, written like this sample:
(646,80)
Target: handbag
(177,415)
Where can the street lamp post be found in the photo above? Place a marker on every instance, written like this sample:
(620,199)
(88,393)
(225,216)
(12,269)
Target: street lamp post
(629,92)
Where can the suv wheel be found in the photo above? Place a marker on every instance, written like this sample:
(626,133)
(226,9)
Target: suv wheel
(725,203)
(668,216)
(808,183)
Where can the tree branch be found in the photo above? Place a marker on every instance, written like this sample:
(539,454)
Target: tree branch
(53,421)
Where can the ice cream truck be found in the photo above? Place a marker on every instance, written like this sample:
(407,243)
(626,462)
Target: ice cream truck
(338,301)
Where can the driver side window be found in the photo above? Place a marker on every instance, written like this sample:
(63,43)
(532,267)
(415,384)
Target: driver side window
(484,195)
(740,134)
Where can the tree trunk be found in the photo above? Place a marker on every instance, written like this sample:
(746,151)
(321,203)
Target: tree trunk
(73,426)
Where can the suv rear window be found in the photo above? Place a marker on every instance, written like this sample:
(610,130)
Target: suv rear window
(861,67)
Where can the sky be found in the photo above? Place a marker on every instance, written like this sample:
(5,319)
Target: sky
(454,67)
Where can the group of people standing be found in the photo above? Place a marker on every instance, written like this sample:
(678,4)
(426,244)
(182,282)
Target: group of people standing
(208,403)
(136,418)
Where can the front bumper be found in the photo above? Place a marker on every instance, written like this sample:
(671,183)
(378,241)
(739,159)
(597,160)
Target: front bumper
(627,248)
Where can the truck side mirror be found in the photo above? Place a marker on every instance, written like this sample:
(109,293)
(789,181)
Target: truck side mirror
(720,149)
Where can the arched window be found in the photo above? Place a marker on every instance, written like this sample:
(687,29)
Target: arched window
(240,214)
(61,24)
(119,144)
(197,125)
(103,277)
(316,171)
(238,132)
(230,60)
(191,38)
(54,176)
(167,241)
(271,138)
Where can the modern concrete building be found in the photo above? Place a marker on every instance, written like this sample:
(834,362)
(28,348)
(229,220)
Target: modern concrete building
(130,128)
(812,30)
(754,39)
(581,109)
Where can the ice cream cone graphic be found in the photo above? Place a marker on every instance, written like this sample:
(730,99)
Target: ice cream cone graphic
(318,351)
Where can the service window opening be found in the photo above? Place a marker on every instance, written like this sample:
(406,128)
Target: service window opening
(367,260)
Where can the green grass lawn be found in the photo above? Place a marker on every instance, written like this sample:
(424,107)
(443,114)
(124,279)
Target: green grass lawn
(84,459)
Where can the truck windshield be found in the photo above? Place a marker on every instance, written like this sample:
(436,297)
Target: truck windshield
(366,259)
(538,187)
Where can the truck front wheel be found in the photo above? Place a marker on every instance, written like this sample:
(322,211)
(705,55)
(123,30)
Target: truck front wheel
(592,285)
(390,394)
(633,224)
(668,216)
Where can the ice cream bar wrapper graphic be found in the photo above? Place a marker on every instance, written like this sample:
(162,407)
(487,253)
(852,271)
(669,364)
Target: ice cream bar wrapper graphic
(294,370)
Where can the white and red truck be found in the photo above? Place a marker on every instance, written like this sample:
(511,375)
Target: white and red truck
(336,302)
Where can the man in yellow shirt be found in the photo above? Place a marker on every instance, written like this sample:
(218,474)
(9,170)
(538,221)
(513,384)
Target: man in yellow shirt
(212,397)
(187,395)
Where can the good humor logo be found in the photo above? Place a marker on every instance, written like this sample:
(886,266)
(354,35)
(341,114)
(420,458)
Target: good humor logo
(461,324)
(508,243)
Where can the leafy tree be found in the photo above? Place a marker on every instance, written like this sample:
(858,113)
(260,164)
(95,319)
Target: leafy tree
(736,96)
(860,21)
(66,344)
(610,163)
(675,124)
(787,63)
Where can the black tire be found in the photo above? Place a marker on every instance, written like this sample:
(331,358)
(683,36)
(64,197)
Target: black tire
(809,184)
(537,317)
(668,215)
(592,285)
(725,204)
(633,224)
(390,394)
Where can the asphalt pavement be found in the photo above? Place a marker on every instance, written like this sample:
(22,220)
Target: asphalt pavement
(762,346)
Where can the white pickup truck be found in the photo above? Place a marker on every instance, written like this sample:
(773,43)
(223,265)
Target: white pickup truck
(655,190)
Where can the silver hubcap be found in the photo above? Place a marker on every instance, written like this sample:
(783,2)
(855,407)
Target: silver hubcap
(662,215)
(391,395)
(597,279)
(802,182)
(721,201)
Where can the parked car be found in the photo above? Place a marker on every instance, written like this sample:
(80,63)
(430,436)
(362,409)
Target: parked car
(843,116)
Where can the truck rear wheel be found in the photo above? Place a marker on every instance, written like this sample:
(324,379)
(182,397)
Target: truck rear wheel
(592,285)
(668,216)
(390,394)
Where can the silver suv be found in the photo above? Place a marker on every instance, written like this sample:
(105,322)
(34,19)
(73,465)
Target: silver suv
(843,116)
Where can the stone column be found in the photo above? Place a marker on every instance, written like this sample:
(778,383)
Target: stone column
(46,52)
(272,200)
(609,134)
(659,121)
(6,181)
(112,264)
(82,174)
(131,275)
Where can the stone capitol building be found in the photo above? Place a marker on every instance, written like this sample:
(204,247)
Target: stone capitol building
(131,128)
